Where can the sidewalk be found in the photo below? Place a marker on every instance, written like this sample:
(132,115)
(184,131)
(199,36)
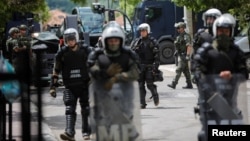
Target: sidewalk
(17,126)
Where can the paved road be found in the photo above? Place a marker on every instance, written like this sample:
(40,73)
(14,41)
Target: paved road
(172,120)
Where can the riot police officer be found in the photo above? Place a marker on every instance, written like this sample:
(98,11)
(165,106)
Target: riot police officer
(222,59)
(71,62)
(183,47)
(113,69)
(223,45)
(205,34)
(148,51)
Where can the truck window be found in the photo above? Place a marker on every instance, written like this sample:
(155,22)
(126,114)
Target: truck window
(92,22)
(153,13)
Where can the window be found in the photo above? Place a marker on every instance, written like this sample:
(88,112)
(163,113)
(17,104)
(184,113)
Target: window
(153,13)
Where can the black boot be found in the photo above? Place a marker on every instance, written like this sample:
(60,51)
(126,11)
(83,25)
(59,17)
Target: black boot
(142,96)
(70,128)
(143,106)
(173,85)
(85,125)
(189,86)
(155,95)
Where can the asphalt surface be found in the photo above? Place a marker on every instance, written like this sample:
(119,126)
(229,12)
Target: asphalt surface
(172,120)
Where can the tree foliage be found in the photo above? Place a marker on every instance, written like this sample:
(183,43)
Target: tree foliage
(129,5)
(8,7)
(239,8)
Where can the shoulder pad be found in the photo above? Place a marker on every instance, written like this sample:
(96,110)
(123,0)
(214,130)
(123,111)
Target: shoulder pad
(98,50)
(154,41)
(131,53)
(94,53)
(135,42)
(92,57)
(202,52)
(204,48)
(200,30)
(206,37)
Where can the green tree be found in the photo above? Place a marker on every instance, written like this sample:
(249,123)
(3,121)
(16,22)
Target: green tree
(239,8)
(129,5)
(8,7)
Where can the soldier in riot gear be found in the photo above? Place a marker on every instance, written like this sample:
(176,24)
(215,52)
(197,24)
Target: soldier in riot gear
(148,51)
(71,62)
(204,34)
(183,48)
(113,69)
(225,60)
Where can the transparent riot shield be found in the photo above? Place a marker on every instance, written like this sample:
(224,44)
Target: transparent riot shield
(115,114)
(222,102)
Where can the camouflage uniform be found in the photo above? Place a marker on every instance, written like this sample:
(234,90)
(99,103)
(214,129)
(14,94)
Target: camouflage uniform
(24,40)
(11,42)
(181,43)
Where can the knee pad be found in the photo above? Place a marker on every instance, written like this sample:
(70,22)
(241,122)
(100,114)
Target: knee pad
(68,98)
(70,110)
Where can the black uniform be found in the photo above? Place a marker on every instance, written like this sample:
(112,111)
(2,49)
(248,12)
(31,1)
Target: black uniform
(209,61)
(200,37)
(99,56)
(113,105)
(73,66)
(148,52)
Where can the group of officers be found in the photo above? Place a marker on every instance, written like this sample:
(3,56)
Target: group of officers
(212,52)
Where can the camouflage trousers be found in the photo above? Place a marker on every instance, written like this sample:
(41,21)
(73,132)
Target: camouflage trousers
(183,67)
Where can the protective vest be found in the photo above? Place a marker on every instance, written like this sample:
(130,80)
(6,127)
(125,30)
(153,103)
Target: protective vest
(146,50)
(181,43)
(122,60)
(74,67)
(220,61)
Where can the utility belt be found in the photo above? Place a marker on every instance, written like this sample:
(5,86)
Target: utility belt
(157,74)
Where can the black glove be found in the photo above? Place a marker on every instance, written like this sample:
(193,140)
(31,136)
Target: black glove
(54,81)
(114,69)
(52,91)
(53,84)
(156,66)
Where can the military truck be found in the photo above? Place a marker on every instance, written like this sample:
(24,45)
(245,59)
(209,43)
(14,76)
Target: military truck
(92,23)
